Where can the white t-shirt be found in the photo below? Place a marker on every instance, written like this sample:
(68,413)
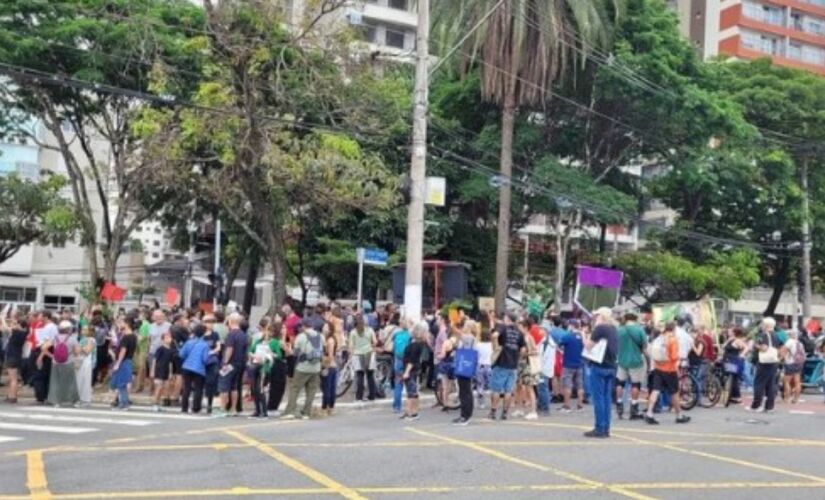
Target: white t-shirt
(685,342)
(46,334)
(485,353)
(791,345)
(156,335)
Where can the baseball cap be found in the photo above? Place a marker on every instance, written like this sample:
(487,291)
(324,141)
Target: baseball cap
(65,325)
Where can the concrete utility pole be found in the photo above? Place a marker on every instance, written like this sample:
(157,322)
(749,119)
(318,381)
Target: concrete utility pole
(806,244)
(418,169)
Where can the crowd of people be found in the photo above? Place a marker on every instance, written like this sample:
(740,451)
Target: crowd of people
(517,364)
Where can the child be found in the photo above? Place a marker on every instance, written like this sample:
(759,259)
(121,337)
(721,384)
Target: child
(485,361)
(162,367)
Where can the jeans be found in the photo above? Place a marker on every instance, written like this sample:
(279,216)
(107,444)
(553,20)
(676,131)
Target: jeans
(398,386)
(543,390)
(764,385)
(210,384)
(465,397)
(329,386)
(308,382)
(359,386)
(747,374)
(602,381)
(588,375)
(277,384)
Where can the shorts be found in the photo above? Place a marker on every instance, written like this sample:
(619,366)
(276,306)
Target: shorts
(12,363)
(161,373)
(572,378)
(666,382)
(232,381)
(160,381)
(793,369)
(502,380)
(636,375)
(446,370)
(524,375)
(177,365)
(411,386)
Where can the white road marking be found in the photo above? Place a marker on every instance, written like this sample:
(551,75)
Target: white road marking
(114,413)
(45,428)
(74,418)
(6,439)
(801,412)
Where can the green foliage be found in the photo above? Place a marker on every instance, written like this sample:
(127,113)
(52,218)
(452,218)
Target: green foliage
(33,212)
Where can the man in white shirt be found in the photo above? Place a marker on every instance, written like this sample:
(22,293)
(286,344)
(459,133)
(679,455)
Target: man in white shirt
(41,370)
(684,339)
(158,327)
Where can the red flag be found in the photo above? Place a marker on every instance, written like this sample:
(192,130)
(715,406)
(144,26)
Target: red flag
(172,296)
(112,293)
(119,294)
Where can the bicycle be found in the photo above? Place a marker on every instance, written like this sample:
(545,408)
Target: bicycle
(688,393)
(725,372)
(383,376)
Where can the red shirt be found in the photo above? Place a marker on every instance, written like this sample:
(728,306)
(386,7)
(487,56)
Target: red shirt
(293,321)
(537,334)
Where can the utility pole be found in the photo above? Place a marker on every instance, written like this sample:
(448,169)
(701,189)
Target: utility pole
(418,168)
(806,244)
(217,270)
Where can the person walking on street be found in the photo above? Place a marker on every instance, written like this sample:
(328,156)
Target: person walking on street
(767,346)
(631,364)
(666,358)
(309,351)
(603,373)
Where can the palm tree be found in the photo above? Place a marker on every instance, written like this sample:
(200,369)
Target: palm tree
(522,49)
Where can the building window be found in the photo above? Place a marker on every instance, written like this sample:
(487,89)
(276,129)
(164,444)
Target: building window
(814,26)
(155,255)
(397,4)
(59,301)
(764,13)
(367,33)
(795,51)
(813,55)
(157,230)
(395,37)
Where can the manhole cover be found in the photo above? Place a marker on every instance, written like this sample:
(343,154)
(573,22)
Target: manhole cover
(752,421)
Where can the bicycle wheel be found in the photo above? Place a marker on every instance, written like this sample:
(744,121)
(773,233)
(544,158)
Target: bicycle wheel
(711,392)
(726,391)
(452,402)
(383,378)
(688,392)
(344,380)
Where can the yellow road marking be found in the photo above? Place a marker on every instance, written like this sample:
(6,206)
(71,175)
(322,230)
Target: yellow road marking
(532,465)
(230,492)
(731,460)
(774,440)
(290,462)
(723,485)
(36,476)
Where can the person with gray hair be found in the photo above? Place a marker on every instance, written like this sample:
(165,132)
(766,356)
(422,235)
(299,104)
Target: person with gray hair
(767,349)
(411,361)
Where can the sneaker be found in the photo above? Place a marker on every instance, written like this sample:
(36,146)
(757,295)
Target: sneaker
(682,419)
(413,418)
(403,416)
(156,408)
(518,414)
(288,416)
(620,410)
(492,415)
(504,415)
(565,409)
(580,408)
(650,420)
(304,417)
(461,421)
(531,416)
(596,434)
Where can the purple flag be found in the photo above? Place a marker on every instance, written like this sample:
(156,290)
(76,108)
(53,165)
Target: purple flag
(596,276)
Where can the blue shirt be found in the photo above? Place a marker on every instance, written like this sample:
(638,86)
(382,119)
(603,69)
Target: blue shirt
(194,354)
(573,345)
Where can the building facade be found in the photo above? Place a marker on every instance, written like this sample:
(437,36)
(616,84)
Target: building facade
(790,32)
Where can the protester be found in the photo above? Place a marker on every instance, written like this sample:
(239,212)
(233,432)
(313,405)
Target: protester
(41,358)
(278,374)
(161,368)
(101,332)
(85,355)
(794,359)
(603,374)
(508,345)
(230,379)
(213,365)
(309,352)
(397,344)
(329,369)
(412,367)
(767,364)
(62,382)
(193,355)
(17,329)
(362,343)
(572,344)
(466,340)
(734,350)
(123,365)
(261,355)
(666,357)
(528,373)
(631,364)
(485,360)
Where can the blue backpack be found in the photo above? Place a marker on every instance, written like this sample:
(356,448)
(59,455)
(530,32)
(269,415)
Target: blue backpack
(465,362)
(400,341)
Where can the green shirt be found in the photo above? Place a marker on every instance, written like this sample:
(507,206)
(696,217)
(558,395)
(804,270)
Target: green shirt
(632,339)
(143,336)
(274,346)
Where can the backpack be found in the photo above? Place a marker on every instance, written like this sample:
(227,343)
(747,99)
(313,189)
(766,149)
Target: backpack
(548,357)
(799,354)
(315,354)
(400,341)
(465,361)
(61,351)
(658,350)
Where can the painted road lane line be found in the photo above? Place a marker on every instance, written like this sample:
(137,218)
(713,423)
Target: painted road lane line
(8,439)
(45,428)
(298,466)
(116,413)
(532,465)
(36,476)
(79,419)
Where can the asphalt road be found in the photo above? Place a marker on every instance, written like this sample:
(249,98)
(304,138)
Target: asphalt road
(366,452)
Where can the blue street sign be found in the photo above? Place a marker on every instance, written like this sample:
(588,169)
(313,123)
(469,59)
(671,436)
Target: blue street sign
(373,256)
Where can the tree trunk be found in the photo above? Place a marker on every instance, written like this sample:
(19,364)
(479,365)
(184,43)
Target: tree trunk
(780,279)
(602,241)
(503,242)
(249,290)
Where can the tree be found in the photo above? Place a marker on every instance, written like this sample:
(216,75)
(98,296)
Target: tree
(111,43)
(33,212)
(523,48)
(277,127)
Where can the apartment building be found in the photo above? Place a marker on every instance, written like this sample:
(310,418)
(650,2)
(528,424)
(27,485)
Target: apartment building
(790,32)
